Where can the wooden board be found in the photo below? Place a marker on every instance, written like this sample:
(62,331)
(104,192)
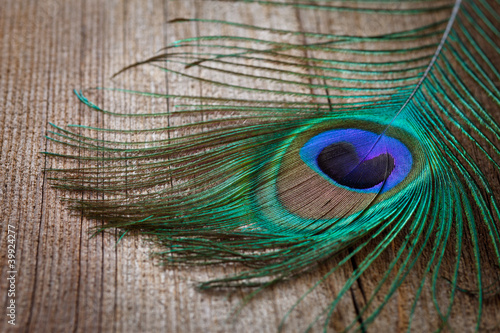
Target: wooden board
(67,281)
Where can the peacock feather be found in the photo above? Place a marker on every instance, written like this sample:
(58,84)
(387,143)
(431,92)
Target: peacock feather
(332,145)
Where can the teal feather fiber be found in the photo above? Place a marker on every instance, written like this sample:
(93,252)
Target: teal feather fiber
(237,183)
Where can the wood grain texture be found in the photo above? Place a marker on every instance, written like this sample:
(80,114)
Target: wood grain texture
(68,281)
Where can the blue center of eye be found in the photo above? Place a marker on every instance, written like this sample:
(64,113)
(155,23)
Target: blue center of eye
(357,159)
(340,162)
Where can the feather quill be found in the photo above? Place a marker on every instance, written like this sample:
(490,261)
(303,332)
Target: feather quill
(361,141)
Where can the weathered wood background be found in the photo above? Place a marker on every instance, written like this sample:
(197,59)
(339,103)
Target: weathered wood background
(69,282)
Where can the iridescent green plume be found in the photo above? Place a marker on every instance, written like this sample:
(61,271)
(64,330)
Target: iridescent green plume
(341,145)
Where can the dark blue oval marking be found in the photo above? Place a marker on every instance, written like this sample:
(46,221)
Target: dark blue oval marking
(354,159)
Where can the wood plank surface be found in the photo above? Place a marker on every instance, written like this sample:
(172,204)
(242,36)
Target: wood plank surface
(68,281)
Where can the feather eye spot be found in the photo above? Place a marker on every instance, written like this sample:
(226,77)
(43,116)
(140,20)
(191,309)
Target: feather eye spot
(335,169)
